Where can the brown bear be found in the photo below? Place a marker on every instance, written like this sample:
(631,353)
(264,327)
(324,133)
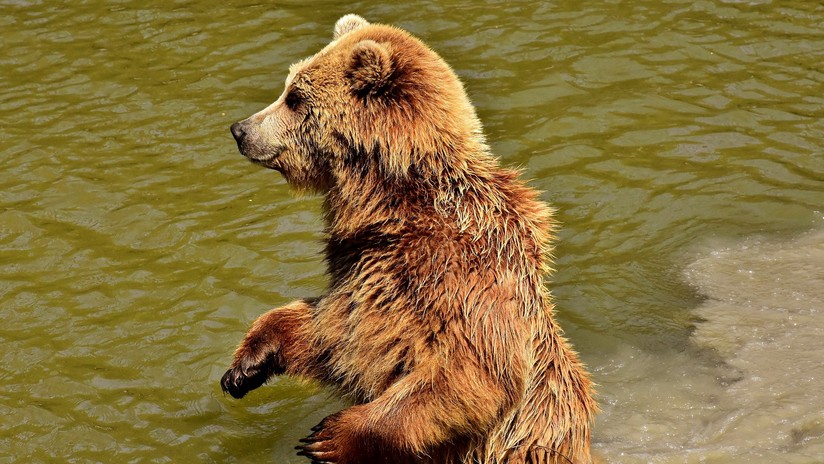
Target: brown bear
(437,322)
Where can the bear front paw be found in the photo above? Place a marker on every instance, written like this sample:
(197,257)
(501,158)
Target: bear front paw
(344,438)
(330,443)
(326,443)
(248,373)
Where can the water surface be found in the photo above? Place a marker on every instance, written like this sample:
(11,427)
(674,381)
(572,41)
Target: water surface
(682,141)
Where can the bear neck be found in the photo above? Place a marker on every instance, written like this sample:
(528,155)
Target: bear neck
(366,197)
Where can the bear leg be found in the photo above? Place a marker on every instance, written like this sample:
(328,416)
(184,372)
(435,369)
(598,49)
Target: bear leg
(412,420)
(278,342)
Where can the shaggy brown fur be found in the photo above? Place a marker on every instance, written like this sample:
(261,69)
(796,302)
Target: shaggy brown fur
(436,321)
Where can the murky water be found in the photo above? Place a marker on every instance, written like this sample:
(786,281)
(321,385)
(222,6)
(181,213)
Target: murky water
(682,141)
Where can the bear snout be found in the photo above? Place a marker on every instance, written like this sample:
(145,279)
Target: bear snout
(244,137)
(250,145)
(238,132)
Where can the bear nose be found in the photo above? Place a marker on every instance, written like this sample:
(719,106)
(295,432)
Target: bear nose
(237,131)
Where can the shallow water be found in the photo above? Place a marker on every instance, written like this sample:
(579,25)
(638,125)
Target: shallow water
(682,141)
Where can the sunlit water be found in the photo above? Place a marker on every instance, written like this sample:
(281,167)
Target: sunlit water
(749,387)
(682,141)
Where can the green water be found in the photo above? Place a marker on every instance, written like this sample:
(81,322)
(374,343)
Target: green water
(136,244)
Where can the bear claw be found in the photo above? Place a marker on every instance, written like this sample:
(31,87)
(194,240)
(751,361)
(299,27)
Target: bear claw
(243,377)
(232,383)
(238,384)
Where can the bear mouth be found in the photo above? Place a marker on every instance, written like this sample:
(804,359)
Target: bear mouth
(267,159)
(268,163)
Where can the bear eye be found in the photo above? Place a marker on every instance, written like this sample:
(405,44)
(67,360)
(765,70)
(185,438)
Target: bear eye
(293,100)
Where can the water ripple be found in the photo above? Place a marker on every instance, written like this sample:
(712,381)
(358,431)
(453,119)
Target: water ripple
(136,244)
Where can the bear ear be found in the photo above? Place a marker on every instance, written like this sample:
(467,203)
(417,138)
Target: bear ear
(348,23)
(370,67)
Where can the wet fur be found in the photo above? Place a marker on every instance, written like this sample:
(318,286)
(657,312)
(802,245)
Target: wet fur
(436,322)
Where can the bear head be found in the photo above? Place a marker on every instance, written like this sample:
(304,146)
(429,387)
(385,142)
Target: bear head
(375,100)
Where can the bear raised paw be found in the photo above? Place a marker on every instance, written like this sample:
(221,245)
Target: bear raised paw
(436,322)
